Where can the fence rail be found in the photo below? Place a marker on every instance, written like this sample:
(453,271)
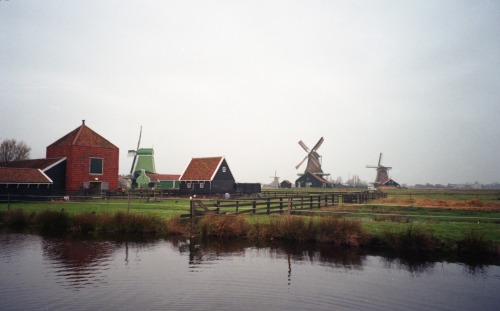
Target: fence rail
(283,204)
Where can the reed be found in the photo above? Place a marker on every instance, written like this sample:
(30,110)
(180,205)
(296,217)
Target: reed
(341,232)
(411,238)
(224,226)
(52,222)
(475,243)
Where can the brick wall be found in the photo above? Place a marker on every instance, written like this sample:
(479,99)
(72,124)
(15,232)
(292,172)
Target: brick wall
(78,164)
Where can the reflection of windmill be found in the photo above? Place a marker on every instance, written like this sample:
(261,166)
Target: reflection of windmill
(143,159)
(382,173)
(276,181)
(313,158)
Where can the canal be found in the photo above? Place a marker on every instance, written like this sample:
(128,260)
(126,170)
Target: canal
(41,273)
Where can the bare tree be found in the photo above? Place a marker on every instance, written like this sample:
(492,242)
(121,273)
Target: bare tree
(11,150)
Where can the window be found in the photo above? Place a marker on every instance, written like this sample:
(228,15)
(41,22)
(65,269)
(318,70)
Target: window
(96,166)
(188,185)
(202,184)
(223,169)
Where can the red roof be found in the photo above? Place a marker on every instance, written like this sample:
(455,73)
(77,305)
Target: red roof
(202,168)
(83,136)
(163,177)
(42,164)
(12,175)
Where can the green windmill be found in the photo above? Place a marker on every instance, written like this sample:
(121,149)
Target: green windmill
(143,163)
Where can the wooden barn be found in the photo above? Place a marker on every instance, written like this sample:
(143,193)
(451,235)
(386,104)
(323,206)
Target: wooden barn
(54,169)
(24,182)
(91,160)
(388,182)
(285,184)
(209,175)
(310,180)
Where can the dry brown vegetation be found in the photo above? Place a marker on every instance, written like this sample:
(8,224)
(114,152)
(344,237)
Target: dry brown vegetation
(474,204)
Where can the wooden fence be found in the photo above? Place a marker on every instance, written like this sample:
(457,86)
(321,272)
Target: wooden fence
(283,204)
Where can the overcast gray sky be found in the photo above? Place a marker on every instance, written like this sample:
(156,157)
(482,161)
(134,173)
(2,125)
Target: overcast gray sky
(416,80)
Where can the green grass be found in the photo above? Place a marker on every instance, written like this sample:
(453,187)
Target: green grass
(446,224)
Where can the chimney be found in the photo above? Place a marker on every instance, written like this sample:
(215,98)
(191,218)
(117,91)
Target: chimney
(83,122)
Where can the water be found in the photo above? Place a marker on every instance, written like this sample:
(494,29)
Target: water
(76,274)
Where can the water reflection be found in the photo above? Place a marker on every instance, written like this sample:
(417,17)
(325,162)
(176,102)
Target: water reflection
(78,263)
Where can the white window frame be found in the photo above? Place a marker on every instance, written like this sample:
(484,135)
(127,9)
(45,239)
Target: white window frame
(223,169)
(90,166)
(202,185)
(188,185)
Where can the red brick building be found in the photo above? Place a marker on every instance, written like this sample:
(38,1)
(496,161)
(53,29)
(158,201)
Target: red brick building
(92,161)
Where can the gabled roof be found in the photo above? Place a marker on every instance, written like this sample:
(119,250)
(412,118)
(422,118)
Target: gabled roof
(163,177)
(83,136)
(42,164)
(321,179)
(13,175)
(202,168)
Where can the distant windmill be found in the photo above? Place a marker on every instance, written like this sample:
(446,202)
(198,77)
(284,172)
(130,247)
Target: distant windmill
(312,157)
(276,181)
(143,159)
(382,171)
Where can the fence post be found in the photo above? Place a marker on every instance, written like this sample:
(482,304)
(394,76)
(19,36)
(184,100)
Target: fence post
(254,206)
(8,201)
(191,207)
(128,204)
(237,205)
(281,205)
(268,206)
(310,202)
(319,201)
(289,206)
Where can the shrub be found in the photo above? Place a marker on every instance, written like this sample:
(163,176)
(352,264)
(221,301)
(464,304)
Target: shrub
(222,226)
(410,238)
(475,243)
(52,222)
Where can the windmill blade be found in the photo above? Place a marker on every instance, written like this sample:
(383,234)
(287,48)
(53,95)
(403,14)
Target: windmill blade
(380,159)
(301,143)
(371,166)
(298,165)
(318,144)
(313,158)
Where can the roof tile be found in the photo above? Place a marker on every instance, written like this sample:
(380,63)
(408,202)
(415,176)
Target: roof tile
(201,168)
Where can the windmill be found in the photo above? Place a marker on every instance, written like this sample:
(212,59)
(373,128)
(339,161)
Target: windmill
(313,158)
(382,173)
(276,181)
(143,159)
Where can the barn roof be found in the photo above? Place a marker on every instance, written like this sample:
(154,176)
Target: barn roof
(14,175)
(83,136)
(42,164)
(202,168)
(163,177)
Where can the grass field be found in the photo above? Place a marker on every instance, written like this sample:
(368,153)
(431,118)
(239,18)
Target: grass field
(448,215)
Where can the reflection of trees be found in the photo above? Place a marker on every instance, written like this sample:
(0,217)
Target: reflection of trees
(78,262)
(416,264)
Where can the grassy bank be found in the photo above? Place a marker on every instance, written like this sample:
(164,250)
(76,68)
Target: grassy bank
(335,231)
(450,219)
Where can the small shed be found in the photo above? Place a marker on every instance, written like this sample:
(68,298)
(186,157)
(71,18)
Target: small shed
(210,175)
(285,184)
(310,180)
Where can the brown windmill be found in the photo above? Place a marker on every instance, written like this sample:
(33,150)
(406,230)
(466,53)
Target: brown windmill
(382,171)
(313,158)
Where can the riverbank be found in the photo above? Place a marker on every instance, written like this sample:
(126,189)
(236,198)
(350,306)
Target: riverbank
(330,230)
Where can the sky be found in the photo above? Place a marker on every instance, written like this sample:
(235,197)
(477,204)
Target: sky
(418,81)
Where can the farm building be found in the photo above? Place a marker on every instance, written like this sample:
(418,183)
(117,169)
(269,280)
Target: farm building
(209,175)
(54,169)
(389,182)
(310,180)
(24,181)
(285,184)
(158,181)
(91,160)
